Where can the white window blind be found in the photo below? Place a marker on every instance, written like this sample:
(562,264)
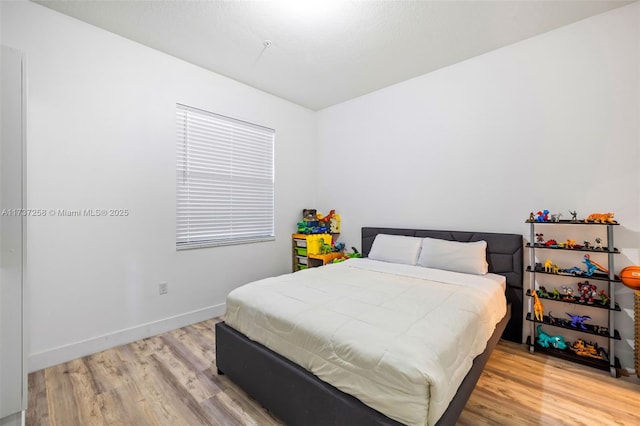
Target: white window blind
(225,180)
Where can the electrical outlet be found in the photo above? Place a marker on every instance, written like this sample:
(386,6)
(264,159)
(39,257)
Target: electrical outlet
(163,288)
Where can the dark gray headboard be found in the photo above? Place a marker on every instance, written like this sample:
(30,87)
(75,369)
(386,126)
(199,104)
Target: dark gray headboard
(504,255)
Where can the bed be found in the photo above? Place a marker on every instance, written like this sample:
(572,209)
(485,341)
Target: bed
(299,397)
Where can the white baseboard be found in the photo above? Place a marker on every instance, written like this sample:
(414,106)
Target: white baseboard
(44,359)
(17,419)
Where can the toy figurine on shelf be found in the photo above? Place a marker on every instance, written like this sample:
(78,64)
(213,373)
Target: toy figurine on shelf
(568,293)
(578,320)
(588,349)
(569,244)
(555,294)
(600,218)
(574,215)
(574,271)
(542,216)
(325,219)
(604,298)
(538,308)
(547,265)
(551,244)
(587,292)
(546,340)
(542,292)
(540,239)
(587,245)
(598,245)
(592,266)
(556,217)
(532,217)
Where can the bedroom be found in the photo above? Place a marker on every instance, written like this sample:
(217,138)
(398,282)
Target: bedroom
(549,122)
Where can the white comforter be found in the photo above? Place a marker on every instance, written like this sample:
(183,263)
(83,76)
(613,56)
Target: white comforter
(400,338)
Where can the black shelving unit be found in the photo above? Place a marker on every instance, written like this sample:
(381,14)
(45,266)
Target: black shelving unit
(610,364)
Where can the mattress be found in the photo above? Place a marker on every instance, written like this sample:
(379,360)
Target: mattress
(400,338)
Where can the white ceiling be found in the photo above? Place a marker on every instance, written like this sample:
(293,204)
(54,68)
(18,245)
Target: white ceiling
(327,52)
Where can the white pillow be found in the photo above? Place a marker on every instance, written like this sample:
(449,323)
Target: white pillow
(396,249)
(469,258)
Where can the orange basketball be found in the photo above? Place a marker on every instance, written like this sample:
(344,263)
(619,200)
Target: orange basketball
(630,277)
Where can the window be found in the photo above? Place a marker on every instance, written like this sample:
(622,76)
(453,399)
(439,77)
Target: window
(225,181)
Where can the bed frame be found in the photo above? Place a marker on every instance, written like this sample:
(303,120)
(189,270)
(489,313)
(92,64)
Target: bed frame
(297,397)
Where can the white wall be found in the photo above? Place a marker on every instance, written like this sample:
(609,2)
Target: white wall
(548,123)
(101,135)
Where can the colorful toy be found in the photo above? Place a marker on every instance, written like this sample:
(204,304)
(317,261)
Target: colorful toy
(324,247)
(540,239)
(334,224)
(568,293)
(542,292)
(542,216)
(588,349)
(592,266)
(587,292)
(538,308)
(545,340)
(578,320)
(315,223)
(569,244)
(310,227)
(604,298)
(551,243)
(356,254)
(303,227)
(575,271)
(326,218)
(555,294)
(600,218)
(547,265)
(630,277)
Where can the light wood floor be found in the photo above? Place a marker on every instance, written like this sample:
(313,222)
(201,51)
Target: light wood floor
(171,379)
